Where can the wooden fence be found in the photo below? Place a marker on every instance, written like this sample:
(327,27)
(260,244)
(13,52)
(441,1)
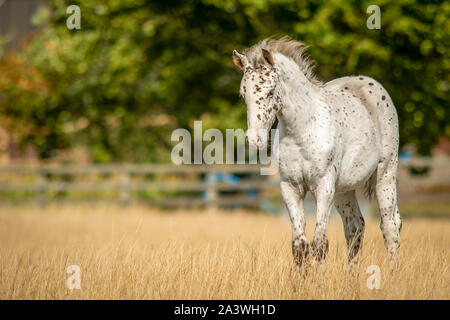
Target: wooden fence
(185,185)
(121,179)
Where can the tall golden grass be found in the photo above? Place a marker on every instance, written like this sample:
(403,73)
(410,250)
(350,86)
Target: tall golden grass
(137,253)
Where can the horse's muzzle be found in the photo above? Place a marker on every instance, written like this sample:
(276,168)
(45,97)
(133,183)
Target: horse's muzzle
(256,138)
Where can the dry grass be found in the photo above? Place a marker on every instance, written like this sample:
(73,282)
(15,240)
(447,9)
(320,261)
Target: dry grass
(142,254)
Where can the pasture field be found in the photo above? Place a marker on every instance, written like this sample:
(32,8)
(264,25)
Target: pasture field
(140,253)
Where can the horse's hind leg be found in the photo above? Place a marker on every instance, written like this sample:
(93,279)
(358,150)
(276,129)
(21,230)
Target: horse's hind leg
(347,206)
(386,193)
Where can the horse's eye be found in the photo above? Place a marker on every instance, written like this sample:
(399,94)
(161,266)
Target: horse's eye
(271,93)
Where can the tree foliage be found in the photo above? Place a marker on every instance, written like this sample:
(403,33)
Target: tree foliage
(138,69)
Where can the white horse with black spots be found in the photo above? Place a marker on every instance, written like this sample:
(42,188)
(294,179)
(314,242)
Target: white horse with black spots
(335,137)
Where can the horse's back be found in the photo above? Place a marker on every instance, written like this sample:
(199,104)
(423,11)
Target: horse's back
(379,105)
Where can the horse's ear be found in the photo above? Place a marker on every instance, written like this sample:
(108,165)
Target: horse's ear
(267,56)
(238,59)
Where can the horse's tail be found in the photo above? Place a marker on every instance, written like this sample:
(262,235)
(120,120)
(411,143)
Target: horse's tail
(370,185)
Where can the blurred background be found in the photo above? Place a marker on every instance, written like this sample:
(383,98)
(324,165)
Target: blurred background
(87,114)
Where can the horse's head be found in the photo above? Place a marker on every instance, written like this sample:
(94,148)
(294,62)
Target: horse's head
(259,90)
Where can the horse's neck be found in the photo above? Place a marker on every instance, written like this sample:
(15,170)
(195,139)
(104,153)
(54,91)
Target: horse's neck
(300,100)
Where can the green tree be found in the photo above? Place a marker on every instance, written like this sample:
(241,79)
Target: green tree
(139,69)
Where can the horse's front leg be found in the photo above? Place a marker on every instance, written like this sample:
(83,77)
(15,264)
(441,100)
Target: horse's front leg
(324,195)
(293,196)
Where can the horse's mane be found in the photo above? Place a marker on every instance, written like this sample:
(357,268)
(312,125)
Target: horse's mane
(290,48)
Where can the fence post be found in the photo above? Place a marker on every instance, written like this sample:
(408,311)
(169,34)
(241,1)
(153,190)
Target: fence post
(125,187)
(212,194)
(41,187)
